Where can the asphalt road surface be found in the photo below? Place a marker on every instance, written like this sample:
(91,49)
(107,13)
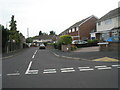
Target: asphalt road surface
(34,68)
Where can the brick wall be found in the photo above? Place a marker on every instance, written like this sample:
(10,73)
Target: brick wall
(84,30)
(87,27)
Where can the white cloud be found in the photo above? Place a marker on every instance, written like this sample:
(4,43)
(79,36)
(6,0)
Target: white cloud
(49,15)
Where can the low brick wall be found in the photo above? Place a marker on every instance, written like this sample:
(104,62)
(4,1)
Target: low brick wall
(114,46)
(66,48)
(111,46)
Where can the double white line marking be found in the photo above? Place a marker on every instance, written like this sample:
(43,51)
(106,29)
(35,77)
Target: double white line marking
(67,69)
(102,67)
(85,68)
(49,71)
(118,66)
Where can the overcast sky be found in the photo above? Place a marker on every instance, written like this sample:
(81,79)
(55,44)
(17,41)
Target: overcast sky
(47,15)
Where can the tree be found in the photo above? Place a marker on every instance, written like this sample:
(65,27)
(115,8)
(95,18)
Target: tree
(29,40)
(40,33)
(65,40)
(52,33)
(13,25)
(14,34)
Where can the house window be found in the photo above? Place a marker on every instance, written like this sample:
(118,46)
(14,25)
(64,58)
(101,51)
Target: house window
(73,30)
(99,23)
(118,18)
(105,36)
(77,28)
(69,30)
(115,33)
(109,21)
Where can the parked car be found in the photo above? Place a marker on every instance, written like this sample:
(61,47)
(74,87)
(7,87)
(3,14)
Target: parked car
(42,46)
(79,42)
(113,39)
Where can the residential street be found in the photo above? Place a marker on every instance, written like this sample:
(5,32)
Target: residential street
(34,68)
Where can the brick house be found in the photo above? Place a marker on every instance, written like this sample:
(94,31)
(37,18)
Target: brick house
(108,25)
(82,29)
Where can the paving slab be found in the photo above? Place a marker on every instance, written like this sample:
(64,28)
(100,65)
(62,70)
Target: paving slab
(89,53)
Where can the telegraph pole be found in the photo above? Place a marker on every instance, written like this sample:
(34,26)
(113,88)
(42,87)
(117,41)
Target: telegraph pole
(28,32)
(28,36)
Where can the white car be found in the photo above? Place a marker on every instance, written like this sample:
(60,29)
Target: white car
(79,42)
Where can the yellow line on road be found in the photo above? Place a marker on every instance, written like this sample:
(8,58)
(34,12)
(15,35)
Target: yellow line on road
(106,59)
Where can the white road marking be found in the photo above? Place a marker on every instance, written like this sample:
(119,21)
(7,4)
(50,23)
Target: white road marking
(115,65)
(35,52)
(90,69)
(33,56)
(13,74)
(28,67)
(67,70)
(100,66)
(49,71)
(0,75)
(104,68)
(56,54)
(83,67)
(32,72)
(28,71)
(118,67)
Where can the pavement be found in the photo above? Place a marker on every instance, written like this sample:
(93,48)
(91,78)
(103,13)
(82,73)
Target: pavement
(89,54)
(35,68)
(13,53)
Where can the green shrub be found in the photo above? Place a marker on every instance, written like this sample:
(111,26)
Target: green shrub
(93,41)
(73,47)
(63,40)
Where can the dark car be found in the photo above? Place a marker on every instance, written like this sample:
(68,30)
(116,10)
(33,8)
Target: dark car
(42,46)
